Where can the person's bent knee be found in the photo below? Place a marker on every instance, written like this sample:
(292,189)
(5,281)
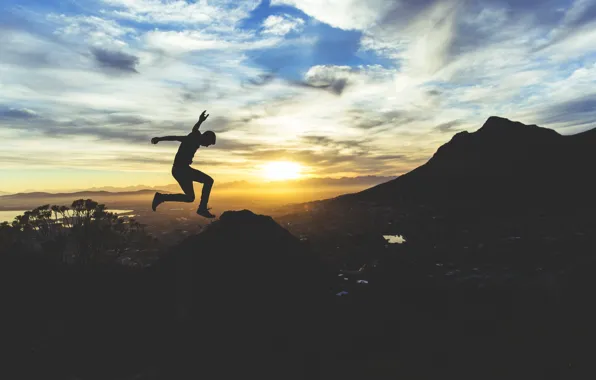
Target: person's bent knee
(208,181)
(190,198)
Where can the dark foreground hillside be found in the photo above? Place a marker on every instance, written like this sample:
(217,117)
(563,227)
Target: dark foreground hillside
(245,298)
(240,297)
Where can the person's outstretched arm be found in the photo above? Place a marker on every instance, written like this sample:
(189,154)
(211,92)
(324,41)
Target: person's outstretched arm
(155,140)
(203,117)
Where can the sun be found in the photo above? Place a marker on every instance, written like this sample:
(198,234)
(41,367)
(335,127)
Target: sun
(282,170)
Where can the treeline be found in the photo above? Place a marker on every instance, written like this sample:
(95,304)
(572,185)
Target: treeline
(82,234)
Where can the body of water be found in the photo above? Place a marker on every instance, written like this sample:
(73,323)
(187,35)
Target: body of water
(8,216)
(394,239)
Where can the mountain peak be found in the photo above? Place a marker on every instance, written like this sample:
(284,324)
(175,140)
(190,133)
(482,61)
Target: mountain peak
(505,127)
(491,139)
(497,119)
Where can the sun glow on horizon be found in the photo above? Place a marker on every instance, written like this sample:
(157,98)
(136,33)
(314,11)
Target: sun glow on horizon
(282,170)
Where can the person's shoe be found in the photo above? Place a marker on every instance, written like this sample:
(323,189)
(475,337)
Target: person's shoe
(156,201)
(204,212)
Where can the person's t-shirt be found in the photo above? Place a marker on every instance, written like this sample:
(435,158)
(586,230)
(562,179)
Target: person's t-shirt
(188,148)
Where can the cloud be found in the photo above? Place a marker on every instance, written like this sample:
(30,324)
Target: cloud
(111,161)
(354,14)
(117,60)
(280,25)
(98,132)
(428,36)
(17,113)
(370,120)
(335,86)
(221,12)
(94,30)
(449,127)
(127,128)
(33,49)
(126,119)
(344,14)
(575,112)
(328,142)
(181,42)
(391,157)
(161,161)
(306,157)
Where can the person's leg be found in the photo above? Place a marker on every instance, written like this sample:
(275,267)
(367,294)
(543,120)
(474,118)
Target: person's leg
(184,177)
(207,181)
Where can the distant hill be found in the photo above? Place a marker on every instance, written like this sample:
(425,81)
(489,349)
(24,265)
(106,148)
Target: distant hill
(503,164)
(23,201)
(142,189)
(115,189)
(75,195)
(361,181)
(348,182)
(310,182)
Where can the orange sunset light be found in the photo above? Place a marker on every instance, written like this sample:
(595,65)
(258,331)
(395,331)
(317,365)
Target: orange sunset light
(282,170)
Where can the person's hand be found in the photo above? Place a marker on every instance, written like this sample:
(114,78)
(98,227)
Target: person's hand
(204,116)
(155,140)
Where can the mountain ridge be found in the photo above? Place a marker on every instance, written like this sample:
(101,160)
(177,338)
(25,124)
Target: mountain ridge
(504,165)
(503,159)
(73,194)
(110,190)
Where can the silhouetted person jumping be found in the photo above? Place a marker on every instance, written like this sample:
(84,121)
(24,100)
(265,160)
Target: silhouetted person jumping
(183,173)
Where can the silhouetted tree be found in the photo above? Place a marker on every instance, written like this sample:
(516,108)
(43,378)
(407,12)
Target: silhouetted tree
(81,234)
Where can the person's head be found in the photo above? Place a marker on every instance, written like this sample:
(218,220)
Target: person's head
(208,138)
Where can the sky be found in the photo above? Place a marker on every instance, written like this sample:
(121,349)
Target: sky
(341,87)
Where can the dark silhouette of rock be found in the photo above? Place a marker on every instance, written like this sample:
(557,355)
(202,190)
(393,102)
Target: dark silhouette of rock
(242,290)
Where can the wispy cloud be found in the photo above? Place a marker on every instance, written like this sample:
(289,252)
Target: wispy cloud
(116,60)
(223,12)
(280,25)
(17,114)
(449,127)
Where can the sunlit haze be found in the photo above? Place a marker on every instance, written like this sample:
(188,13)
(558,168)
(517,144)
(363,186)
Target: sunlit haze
(282,170)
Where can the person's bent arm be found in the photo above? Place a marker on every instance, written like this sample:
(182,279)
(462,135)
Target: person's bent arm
(155,140)
(202,118)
